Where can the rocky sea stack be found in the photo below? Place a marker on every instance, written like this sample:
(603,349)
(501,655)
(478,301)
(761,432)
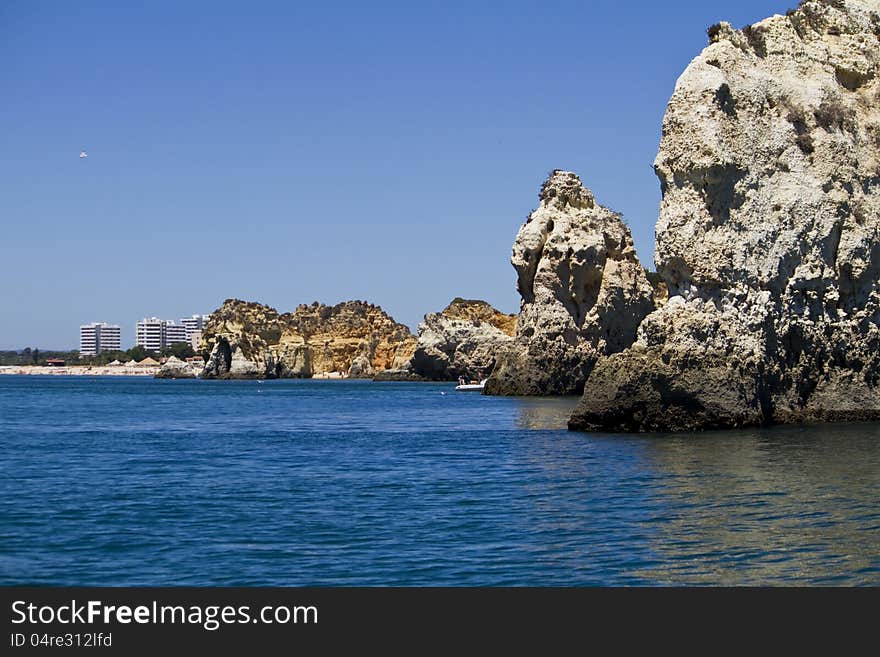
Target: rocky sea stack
(583,292)
(462,340)
(174,368)
(768,237)
(250,340)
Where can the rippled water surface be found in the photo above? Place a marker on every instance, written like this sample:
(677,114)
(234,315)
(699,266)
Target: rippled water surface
(120,481)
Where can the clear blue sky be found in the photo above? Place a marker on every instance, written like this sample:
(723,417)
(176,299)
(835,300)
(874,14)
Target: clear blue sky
(289,152)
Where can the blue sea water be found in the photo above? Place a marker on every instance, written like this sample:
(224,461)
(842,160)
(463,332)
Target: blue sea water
(127,481)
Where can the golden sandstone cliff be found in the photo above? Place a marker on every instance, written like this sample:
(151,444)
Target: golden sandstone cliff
(478,312)
(354,339)
(251,340)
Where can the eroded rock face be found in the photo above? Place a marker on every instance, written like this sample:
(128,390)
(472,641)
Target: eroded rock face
(174,368)
(583,293)
(462,340)
(354,333)
(768,236)
(238,338)
(355,338)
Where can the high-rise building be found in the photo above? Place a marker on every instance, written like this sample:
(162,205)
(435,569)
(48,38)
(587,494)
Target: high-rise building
(194,324)
(194,327)
(175,333)
(155,334)
(150,333)
(99,336)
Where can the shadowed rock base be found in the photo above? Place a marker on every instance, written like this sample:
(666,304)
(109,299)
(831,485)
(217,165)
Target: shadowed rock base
(398,375)
(639,392)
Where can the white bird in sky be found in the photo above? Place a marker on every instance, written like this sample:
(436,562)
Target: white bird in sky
(83,154)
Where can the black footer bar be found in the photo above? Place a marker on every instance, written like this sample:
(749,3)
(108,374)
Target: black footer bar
(280,620)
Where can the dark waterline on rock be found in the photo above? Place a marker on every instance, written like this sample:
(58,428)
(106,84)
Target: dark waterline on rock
(139,482)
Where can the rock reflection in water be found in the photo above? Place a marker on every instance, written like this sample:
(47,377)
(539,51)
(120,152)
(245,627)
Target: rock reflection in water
(544,413)
(765,506)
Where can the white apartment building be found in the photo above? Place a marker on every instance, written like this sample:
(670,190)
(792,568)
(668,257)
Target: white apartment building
(150,333)
(194,327)
(194,323)
(99,336)
(155,334)
(175,333)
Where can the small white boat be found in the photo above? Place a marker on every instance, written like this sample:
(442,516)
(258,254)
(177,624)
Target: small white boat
(471,387)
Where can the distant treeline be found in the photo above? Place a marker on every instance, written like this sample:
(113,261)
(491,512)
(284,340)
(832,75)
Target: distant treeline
(39,357)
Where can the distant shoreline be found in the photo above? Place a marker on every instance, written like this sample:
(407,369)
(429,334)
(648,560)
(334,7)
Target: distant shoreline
(78,370)
(122,370)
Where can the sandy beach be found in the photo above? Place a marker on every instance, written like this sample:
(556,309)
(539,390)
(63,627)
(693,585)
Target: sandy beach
(114,370)
(79,370)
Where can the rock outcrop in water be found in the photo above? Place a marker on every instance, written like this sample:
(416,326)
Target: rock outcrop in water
(250,340)
(238,339)
(768,237)
(354,337)
(583,293)
(174,368)
(462,340)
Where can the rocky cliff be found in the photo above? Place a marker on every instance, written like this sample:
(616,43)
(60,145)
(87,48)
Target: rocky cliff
(462,340)
(355,338)
(768,237)
(583,292)
(237,340)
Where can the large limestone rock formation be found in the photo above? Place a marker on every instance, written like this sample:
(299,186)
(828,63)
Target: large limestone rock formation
(355,338)
(238,338)
(768,236)
(462,340)
(583,292)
